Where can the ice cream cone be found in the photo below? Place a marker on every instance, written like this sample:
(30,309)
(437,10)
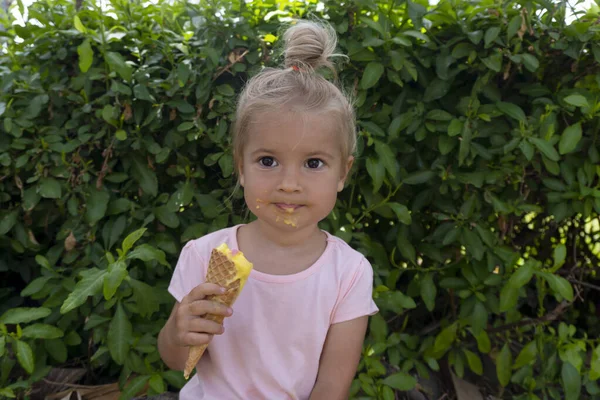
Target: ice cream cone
(230,271)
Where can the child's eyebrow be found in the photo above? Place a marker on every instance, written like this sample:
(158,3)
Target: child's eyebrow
(262,150)
(320,153)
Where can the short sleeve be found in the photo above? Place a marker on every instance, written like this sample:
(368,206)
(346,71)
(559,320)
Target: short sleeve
(190,271)
(358,299)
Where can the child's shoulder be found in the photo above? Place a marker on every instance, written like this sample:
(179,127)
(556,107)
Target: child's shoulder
(346,254)
(206,243)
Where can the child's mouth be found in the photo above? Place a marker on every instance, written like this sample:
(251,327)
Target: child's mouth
(289,208)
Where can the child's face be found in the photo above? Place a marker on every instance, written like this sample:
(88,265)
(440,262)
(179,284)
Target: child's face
(292,168)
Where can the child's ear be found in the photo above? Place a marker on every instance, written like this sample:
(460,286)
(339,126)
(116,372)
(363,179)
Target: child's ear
(345,171)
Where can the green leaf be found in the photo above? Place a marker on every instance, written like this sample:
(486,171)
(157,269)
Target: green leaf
(570,138)
(521,276)
(373,24)
(446,144)
(119,334)
(386,156)
(25,356)
(594,365)
(117,64)
(42,331)
(527,354)
(8,221)
(183,74)
(401,212)
(130,240)
(35,106)
(57,349)
(474,362)
(571,381)
(577,100)
(560,254)
(185,126)
(546,148)
(376,171)
(479,318)
(121,134)
(35,286)
(400,381)
(141,92)
(371,76)
(473,244)
(145,297)
(445,338)
(134,387)
(90,285)
(559,285)
(417,178)
(493,62)
(428,291)
(416,35)
(78,24)
(406,248)
(530,62)
(108,114)
(512,110)
(226,164)
(50,188)
(166,217)
(146,252)
(526,149)
(504,365)
(157,383)
(86,55)
(145,177)
(490,35)
(96,206)
(21,315)
(378,328)
(113,279)
(439,115)
(436,90)
(9,393)
(509,295)
(483,342)
(513,26)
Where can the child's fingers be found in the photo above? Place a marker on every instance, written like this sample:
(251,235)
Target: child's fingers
(203,290)
(196,339)
(201,325)
(203,307)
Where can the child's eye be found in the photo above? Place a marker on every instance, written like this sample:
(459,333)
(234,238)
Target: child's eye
(314,163)
(267,162)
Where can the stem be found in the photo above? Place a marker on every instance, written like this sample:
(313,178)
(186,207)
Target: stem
(381,203)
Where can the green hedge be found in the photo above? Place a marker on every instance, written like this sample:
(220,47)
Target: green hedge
(476,198)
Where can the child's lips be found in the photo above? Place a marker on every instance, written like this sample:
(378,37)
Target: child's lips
(288,207)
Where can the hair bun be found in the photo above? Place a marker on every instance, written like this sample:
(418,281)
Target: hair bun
(309,45)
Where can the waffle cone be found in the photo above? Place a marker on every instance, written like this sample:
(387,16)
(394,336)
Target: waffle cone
(226,270)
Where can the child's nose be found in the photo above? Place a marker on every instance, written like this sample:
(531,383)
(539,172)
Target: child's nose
(290,181)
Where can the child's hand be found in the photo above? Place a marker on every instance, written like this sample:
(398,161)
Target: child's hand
(192,328)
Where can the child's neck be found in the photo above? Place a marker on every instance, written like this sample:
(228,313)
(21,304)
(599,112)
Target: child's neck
(295,239)
(265,248)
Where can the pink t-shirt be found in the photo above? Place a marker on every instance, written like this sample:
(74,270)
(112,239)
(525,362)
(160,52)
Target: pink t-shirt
(273,341)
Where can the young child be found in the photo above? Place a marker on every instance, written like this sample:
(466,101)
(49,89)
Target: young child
(298,326)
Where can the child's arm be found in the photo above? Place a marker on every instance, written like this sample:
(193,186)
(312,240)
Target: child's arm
(339,360)
(186,327)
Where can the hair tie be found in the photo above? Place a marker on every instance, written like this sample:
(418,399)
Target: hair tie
(296,68)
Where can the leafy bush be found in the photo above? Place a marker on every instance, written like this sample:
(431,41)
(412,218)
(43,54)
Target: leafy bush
(477,201)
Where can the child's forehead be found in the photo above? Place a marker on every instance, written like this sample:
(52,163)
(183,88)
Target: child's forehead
(299,131)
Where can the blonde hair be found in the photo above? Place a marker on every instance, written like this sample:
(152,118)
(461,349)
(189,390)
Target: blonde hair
(308,47)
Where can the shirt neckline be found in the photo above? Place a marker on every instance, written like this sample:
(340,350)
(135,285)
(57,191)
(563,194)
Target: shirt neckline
(261,276)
